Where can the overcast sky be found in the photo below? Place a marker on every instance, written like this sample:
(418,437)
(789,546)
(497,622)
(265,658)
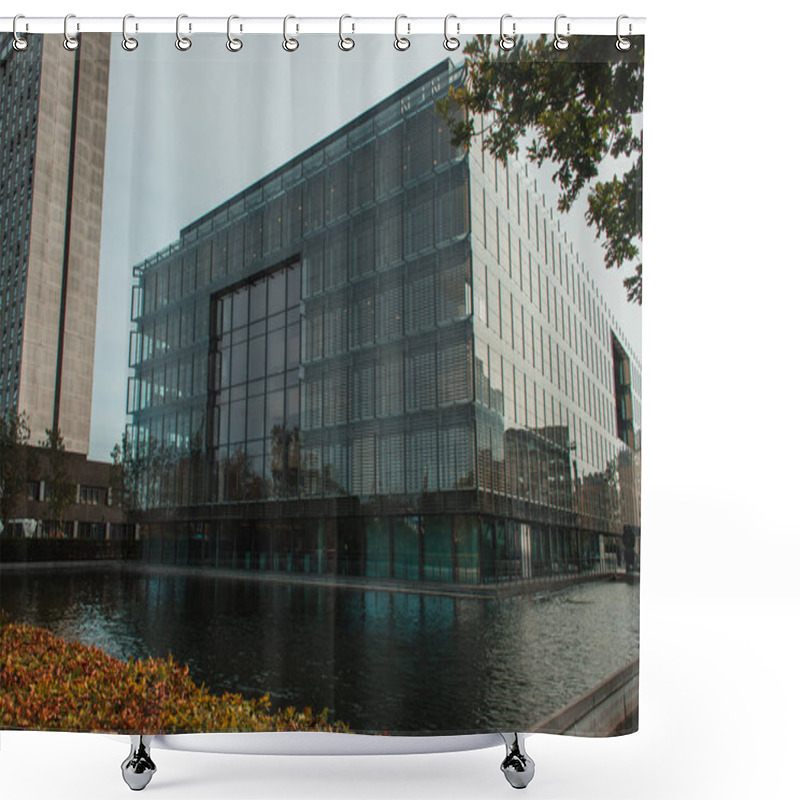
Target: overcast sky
(187,130)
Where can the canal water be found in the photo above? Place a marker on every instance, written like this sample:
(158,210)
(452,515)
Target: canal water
(380,661)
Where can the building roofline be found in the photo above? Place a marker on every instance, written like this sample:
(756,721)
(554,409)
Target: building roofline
(446,65)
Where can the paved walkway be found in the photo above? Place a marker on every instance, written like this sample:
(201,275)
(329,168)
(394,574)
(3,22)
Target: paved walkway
(502,589)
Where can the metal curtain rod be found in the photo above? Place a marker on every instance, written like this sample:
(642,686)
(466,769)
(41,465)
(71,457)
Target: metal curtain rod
(464,26)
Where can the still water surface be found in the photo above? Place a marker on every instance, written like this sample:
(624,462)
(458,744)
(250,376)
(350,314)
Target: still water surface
(378,660)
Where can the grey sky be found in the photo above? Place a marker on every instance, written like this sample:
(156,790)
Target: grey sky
(187,130)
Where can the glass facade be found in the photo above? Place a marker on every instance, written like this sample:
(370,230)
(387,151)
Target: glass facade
(370,364)
(558,411)
(255,387)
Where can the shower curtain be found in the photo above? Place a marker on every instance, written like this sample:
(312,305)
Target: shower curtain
(321,382)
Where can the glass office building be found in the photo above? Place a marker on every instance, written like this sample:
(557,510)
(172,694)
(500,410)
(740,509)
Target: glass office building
(382,360)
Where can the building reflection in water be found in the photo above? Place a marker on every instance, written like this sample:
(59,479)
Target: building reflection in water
(379,660)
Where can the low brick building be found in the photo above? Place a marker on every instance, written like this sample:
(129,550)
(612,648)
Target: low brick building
(94,514)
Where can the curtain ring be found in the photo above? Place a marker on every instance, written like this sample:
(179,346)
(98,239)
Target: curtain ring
(451,43)
(128,42)
(623,44)
(401,42)
(289,44)
(70,42)
(182,42)
(20,41)
(507,42)
(233,44)
(345,42)
(560,42)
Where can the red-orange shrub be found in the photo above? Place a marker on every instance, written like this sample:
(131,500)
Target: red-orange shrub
(47,683)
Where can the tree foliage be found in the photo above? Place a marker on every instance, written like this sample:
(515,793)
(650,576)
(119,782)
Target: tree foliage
(15,462)
(574,108)
(138,471)
(61,488)
(149,474)
(124,475)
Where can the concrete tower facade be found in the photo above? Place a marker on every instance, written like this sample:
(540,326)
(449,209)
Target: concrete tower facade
(53,109)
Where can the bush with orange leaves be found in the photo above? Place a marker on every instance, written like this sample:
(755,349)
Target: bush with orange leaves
(47,683)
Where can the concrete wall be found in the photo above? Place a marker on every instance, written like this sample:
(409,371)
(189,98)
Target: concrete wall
(84,257)
(48,222)
(46,253)
(611,708)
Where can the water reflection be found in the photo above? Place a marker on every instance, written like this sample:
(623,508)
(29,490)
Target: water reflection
(380,661)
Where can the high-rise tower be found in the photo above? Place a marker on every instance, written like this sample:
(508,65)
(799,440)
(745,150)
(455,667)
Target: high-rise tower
(53,106)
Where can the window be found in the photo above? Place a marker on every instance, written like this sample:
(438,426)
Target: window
(255,389)
(454,373)
(451,209)
(391,463)
(363,244)
(420,296)
(389,308)
(93,495)
(419,145)
(390,170)
(421,461)
(363,176)
(390,234)
(421,379)
(336,194)
(314,203)
(419,219)
(390,383)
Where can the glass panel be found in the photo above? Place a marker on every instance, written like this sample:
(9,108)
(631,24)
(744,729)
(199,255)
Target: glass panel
(390,167)
(292,286)
(239,363)
(277,292)
(293,346)
(292,407)
(378,545)
(438,544)
(276,351)
(237,421)
(255,417)
(467,549)
(256,353)
(406,548)
(258,301)
(275,401)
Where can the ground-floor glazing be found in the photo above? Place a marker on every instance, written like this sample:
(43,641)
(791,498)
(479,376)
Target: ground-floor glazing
(430,548)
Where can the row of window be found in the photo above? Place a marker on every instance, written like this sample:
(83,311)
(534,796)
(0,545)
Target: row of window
(367,460)
(19,98)
(398,144)
(504,380)
(433,214)
(381,460)
(517,400)
(510,188)
(434,373)
(506,186)
(575,351)
(41,491)
(393,385)
(497,308)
